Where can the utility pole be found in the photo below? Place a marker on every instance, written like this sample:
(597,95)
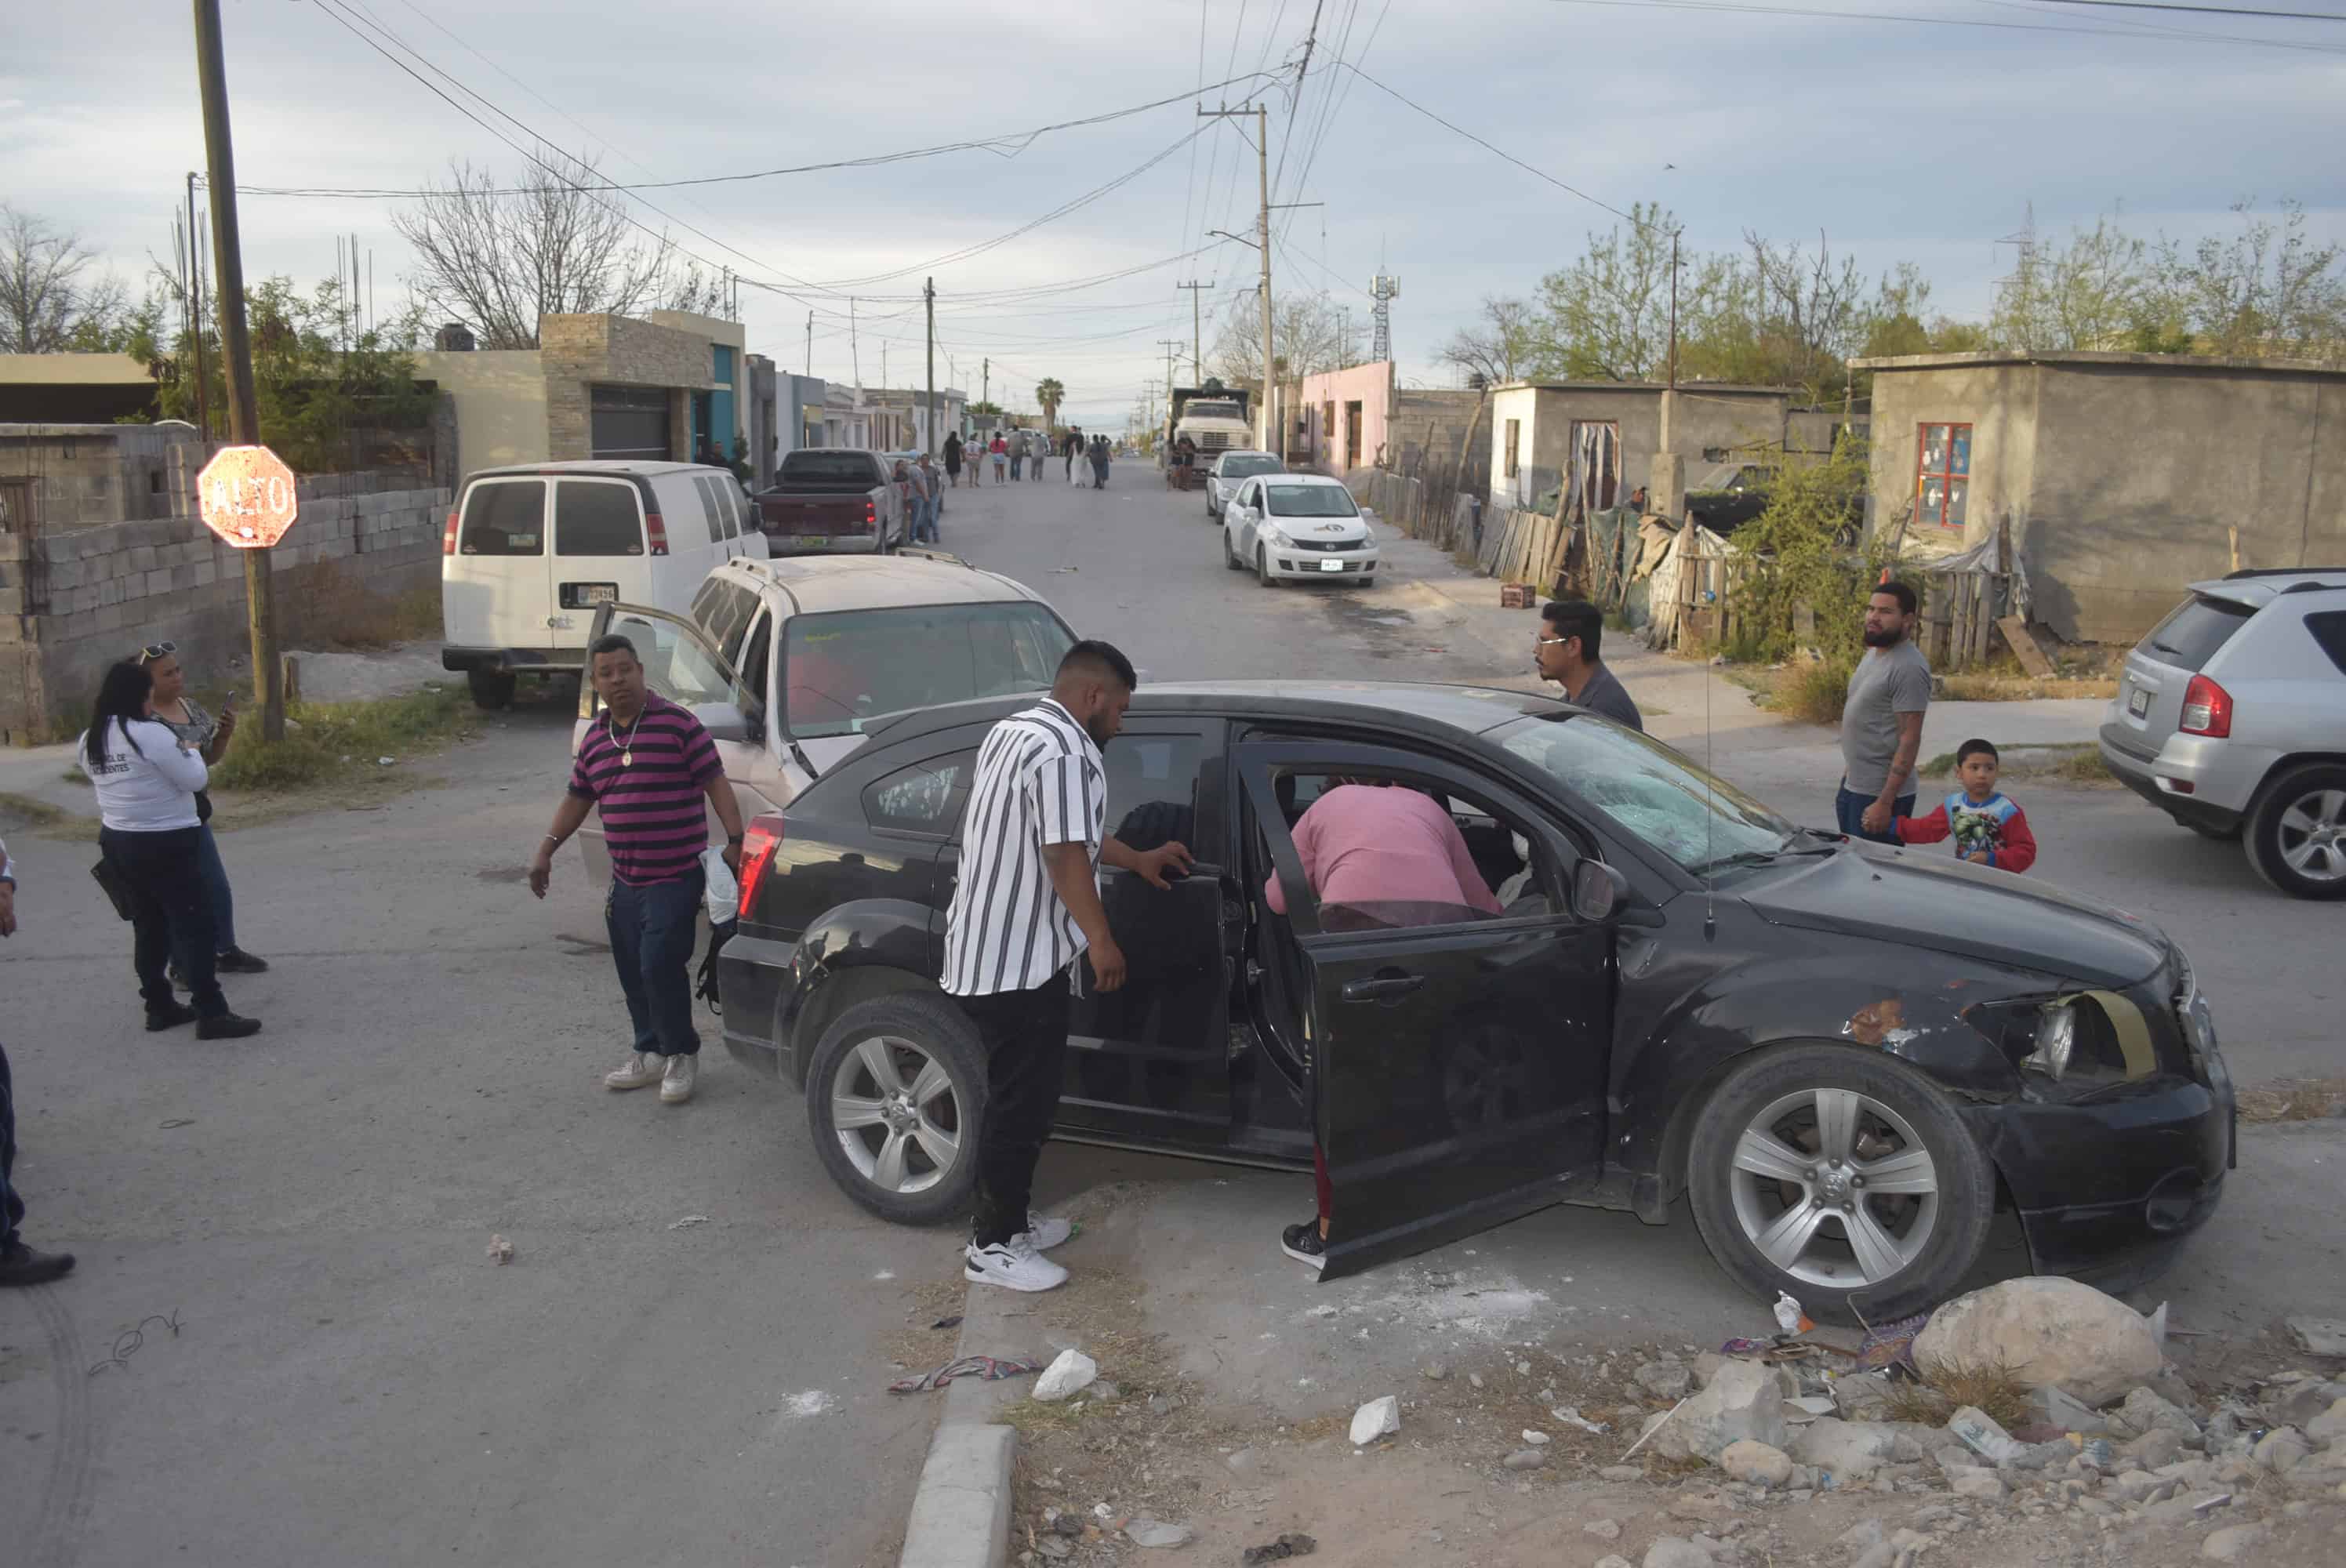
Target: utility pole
(929,293)
(810,362)
(985,381)
(1171,346)
(236,350)
(1267,424)
(1197,331)
(1674,312)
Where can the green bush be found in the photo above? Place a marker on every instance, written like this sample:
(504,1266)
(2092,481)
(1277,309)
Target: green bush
(1806,549)
(328,741)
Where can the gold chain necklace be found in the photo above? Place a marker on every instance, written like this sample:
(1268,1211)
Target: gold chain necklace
(626,748)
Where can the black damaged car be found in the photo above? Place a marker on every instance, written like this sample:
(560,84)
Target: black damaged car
(1846,1057)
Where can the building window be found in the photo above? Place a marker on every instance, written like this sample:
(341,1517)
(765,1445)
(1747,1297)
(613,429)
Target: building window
(1943,468)
(1515,435)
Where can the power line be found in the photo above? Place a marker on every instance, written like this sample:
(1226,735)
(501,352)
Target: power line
(2207,10)
(1756,10)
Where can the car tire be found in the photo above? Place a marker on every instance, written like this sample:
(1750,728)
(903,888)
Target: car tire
(493,689)
(1262,568)
(1933,1236)
(1230,556)
(2292,835)
(909,1033)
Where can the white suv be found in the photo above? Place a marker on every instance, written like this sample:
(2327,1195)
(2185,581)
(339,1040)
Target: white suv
(2231,719)
(783,661)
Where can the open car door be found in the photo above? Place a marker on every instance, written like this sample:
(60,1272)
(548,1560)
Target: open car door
(683,665)
(1457,1060)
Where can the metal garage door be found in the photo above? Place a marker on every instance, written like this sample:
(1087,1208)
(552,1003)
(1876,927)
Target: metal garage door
(629,422)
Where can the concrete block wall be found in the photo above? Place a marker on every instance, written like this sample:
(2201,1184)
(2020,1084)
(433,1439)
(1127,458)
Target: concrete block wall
(72,603)
(92,475)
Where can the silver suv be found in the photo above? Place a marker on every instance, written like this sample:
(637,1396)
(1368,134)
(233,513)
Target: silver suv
(2231,719)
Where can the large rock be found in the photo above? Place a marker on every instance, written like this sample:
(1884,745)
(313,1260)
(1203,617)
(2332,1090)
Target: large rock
(1744,1401)
(2282,1450)
(1377,1418)
(1848,1450)
(2329,1426)
(2044,1330)
(1072,1372)
(1755,1463)
(1676,1552)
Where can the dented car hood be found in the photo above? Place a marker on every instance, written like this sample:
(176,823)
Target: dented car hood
(1933,901)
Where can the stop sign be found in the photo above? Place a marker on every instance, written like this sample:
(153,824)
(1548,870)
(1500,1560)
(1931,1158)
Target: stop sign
(247,493)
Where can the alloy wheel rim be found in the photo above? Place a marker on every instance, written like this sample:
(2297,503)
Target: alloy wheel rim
(1834,1188)
(2313,835)
(896,1115)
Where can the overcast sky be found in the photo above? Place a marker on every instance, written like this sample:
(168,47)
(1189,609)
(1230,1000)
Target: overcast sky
(1902,139)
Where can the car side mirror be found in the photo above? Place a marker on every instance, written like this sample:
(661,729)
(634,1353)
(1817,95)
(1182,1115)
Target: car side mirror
(725,722)
(1599,891)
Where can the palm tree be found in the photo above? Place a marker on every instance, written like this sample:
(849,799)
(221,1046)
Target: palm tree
(1050,394)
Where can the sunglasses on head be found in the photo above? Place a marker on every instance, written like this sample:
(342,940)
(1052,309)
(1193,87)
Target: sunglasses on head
(154,651)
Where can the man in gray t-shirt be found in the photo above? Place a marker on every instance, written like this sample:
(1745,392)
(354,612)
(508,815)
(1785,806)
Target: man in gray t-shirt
(1881,724)
(1569,650)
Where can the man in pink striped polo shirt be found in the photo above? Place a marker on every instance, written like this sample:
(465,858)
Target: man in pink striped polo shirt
(650,769)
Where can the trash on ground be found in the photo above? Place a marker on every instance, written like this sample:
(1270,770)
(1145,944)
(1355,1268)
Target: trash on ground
(500,1249)
(385,761)
(1377,1418)
(1147,1532)
(951,1322)
(1570,1416)
(688,1222)
(1278,1550)
(1788,1316)
(1071,1373)
(986,1368)
(1891,1344)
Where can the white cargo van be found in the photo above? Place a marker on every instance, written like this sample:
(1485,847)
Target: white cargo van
(531,552)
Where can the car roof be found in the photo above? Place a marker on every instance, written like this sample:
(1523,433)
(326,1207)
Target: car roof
(818,585)
(2256,589)
(1243,452)
(590,465)
(1421,708)
(1307,479)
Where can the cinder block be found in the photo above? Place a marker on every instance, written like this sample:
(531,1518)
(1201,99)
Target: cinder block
(157,582)
(204,572)
(113,618)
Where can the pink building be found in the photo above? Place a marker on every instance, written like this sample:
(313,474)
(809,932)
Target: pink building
(1340,417)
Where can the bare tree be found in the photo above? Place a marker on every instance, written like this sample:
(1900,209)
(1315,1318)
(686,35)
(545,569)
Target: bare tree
(1307,337)
(48,300)
(1503,346)
(497,256)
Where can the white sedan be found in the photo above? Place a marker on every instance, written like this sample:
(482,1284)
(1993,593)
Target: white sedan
(1288,527)
(1226,471)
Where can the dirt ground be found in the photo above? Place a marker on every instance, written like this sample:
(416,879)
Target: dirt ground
(1149,1442)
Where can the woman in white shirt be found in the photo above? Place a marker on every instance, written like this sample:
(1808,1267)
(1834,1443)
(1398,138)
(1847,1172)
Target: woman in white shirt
(152,842)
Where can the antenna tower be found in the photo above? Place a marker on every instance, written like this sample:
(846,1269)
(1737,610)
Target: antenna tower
(1384,289)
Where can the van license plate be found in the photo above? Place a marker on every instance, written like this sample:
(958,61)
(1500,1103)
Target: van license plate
(2137,702)
(1331,566)
(809,542)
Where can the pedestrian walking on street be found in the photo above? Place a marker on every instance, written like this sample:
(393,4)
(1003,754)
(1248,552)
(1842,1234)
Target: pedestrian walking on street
(1001,450)
(1018,454)
(1025,910)
(953,459)
(1074,447)
(207,737)
(650,768)
(1881,723)
(1566,650)
(19,1264)
(928,495)
(1100,454)
(150,837)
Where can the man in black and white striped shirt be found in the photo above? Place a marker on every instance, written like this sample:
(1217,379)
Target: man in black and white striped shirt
(1025,908)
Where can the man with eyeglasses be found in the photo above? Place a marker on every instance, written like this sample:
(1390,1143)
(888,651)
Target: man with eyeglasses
(1567,651)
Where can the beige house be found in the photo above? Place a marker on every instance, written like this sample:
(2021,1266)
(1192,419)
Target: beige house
(1608,435)
(2122,476)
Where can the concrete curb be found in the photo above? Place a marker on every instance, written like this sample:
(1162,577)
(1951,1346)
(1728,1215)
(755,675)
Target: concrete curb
(961,1510)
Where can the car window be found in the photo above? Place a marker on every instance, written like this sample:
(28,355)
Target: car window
(1152,788)
(597,517)
(756,651)
(847,470)
(722,610)
(1239,467)
(842,668)
(503,518)
(1648,791)
(729,505)
(1310,501)
(712,509)
(925,798)
(2328,630)
(1383,857)
(675,664)
(2192,631)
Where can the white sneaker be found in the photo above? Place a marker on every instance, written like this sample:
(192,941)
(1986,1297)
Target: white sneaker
(675,1085)
(1045,1231)
(1014,1264)
(638,1071)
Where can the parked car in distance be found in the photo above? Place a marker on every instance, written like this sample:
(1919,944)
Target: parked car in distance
(1840,1053)
(785,662)
(531,551)
(1225,472)
(2231,719)
(1293,528)
(833,501)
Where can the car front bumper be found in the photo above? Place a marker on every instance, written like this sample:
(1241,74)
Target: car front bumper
(1313,566)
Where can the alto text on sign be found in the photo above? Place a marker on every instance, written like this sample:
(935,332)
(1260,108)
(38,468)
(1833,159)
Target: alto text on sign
(246,497)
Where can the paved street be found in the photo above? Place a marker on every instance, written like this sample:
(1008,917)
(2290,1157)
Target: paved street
(354,1380)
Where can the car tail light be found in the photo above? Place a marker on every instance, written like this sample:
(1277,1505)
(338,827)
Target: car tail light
(656,530)
(870,515)
(448,538)
(757,854)
(2207,708)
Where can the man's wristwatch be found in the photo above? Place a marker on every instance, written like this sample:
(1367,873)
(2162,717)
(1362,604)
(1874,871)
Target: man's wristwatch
(733,838)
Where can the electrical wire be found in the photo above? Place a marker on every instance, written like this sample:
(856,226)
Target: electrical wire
(1757,10)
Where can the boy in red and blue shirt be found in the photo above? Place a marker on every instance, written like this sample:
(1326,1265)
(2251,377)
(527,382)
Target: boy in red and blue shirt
(1987,828)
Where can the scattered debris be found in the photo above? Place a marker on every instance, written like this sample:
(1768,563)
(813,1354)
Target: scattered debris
(1570,1416)
(1789,1319)
(1147,1532)
(688,1222)
(951,1322)
(500,1249)
(1536,1439)
(1294,1545)
(986,1368)
(1744,1401)
(812,1402)
(1377,1418)
(1434,1371)
(1071,1373)
(2320,1336)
